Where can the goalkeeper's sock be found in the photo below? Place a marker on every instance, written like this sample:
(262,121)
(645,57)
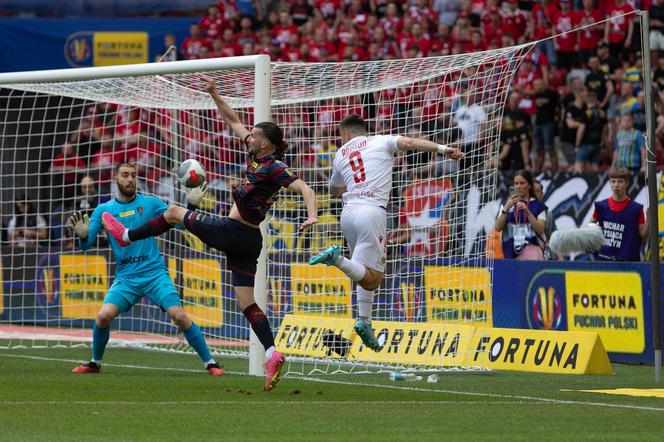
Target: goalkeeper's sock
(260,325)
(354,270)
(365,302)
(197,341)
(154,227)
(99,340)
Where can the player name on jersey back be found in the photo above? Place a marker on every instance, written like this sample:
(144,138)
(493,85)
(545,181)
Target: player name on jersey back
(364,166)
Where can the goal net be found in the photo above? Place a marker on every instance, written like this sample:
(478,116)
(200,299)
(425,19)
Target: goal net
(61,138)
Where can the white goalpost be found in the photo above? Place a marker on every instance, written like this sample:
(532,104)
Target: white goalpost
(56,127)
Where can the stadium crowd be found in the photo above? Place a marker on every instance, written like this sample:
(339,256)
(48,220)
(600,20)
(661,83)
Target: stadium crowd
(576,103)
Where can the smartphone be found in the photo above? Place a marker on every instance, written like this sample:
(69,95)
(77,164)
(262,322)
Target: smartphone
(512,191)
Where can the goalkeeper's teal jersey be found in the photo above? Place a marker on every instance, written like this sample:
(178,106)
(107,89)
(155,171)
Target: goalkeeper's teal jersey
(141,257)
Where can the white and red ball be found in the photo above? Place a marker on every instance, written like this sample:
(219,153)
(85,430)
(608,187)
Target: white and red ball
(190,173)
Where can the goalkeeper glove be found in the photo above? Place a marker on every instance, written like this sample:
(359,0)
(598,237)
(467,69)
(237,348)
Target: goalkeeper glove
(80,224)
(195,194)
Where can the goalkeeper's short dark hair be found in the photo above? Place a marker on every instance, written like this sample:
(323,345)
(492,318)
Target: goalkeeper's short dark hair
(354,123)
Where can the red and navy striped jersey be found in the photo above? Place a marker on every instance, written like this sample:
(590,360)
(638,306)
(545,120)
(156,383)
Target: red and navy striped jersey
(262,181)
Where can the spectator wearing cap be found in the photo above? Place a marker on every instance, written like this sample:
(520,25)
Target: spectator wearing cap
(589,37)
(566,44)
(619,28)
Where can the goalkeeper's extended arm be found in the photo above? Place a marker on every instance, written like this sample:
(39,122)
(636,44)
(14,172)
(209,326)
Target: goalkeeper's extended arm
(422,145)
(195,196)
(80,224)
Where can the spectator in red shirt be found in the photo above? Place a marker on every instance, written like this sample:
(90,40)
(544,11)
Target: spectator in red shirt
(292,51)
(461,31)
(213,24)
(229,48)
(589,37)
(284,29)
(193,43)
(618,29)
(246,34)
(542,17)
(392,21)
(64,169)
(568,43)
(515,20)
(493,27)
(476,43)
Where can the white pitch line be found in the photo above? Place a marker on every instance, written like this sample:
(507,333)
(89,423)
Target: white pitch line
(265,402)
(516,398)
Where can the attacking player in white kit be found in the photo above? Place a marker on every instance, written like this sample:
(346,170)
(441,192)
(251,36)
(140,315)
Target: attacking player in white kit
(362,175)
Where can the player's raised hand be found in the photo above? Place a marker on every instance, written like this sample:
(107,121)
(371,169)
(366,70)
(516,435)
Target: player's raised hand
(453,153)
(80,224)
(195,194)
(308,223)
(208,84)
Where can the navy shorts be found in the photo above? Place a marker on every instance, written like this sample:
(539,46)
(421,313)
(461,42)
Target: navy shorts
(240,243)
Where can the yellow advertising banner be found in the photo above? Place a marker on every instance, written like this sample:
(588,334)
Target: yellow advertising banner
(114,48)
(320,290)
(201,279)
(609,303)
(311,335)
(418,343)
(458,294)
(542,351)
(446,345)
(83,285)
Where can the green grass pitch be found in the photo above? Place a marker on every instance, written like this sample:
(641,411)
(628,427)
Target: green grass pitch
(144,395)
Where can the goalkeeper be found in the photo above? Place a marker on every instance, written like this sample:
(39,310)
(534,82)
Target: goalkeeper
(139,270)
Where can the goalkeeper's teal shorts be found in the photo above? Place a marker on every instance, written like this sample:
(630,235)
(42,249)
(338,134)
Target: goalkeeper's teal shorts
(125,292)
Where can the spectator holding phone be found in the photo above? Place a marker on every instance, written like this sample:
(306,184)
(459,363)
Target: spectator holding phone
(522,220)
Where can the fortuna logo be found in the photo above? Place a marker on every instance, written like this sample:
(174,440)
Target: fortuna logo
(529,351)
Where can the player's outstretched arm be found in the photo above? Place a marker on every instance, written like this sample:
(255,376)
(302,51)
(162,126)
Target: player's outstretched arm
(309,197)
(227,113)
(422,145)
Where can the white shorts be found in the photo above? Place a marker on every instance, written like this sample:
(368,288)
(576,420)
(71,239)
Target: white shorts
(364,228)
(656,40)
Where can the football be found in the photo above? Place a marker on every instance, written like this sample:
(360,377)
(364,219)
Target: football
(190,173)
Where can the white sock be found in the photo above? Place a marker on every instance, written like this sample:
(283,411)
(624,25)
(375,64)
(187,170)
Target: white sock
(96,362)
(125,235)
(269,352)
(205,364)
(354,270)
(365,302)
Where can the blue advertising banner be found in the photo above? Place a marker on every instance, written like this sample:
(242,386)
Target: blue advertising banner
(53,43)
(612,299)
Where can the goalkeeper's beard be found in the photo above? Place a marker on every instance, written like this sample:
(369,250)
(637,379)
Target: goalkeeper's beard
(128,191)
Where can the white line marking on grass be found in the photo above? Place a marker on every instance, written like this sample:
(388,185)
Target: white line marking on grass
(517,398)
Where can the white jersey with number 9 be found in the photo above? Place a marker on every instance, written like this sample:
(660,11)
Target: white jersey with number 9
(364,166)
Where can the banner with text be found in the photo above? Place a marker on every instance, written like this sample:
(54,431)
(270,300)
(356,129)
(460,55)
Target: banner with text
(83,284)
